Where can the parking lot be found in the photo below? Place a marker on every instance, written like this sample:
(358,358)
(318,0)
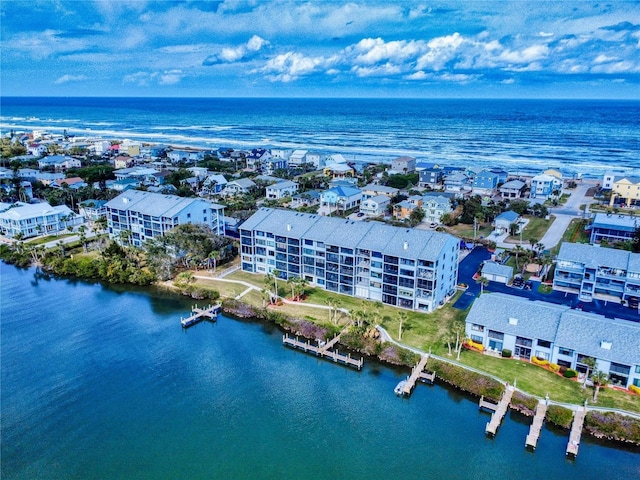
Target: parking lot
(470,264)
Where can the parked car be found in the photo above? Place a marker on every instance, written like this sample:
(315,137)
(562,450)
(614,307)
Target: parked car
(518,282)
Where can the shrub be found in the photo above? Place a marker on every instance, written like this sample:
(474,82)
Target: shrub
(539,361)
(635,389)
(554,367)
(559,416)
(506,353)
(570,373)
(467,380)
(613,426)
(524,403)
(477,346)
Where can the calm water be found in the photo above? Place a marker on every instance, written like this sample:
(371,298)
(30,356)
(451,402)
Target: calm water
(588,137)
(101,383)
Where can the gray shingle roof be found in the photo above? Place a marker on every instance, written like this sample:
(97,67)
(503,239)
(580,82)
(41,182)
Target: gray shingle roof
(154,204)
(594,256)
(618,222)
(493,268)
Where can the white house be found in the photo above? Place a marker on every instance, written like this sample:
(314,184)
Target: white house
(213,184)
(297,158)
(502,223)
(59,162)
(373,190)
(239,186)
(30,220)
(375,206)
(282,189)
(339,198)
(403,165)
(37,149)
(434,207)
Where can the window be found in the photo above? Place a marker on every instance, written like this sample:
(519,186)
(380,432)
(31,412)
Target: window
(544,343)
(542,355)
(477,328)
(565,351)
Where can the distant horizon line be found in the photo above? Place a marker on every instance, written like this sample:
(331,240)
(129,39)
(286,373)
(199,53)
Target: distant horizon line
(319,98)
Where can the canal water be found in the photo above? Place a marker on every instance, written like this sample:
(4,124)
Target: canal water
(102,382)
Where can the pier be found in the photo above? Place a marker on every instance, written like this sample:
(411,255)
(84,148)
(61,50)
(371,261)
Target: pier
(536,426)
(417,373)
(199,314)
(323,351)
(499,410)
(576,432)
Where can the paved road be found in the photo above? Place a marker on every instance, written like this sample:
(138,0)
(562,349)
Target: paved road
(564,214)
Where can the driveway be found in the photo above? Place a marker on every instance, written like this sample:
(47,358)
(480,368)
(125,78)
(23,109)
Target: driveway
(466,270)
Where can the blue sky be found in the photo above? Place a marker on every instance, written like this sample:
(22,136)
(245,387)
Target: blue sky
(284,48)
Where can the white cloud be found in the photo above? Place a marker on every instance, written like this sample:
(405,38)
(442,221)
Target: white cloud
(145,79)
(237,53)
(290,66)
(170,77)
(526,55)
(70,78)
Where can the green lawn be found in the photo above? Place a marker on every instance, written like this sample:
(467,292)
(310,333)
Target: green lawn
(48,238)
(536,228)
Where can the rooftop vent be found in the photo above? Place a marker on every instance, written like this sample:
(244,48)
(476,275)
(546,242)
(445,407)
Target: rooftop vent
(406,245)
(605,345)
(513,321)
(288,227)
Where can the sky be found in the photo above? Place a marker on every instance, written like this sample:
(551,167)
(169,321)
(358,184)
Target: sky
(321,48)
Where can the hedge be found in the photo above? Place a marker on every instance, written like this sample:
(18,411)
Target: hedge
(559,416)
(467,380)
(613,426)
(570,373)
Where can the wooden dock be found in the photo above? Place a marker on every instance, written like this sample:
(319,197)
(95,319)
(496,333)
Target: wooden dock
(322,351)
(499,410)
(417,373)
(199,314)
(536,426)
(576,432)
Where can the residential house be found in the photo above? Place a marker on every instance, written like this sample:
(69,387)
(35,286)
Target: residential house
(59,162)
(30,220)
(270,165)
(281,153)
(626,190)
(375,206)
(338,170)
(595,272)
(298,158)
(186,156)
(92,209)
(240,186)
(502,174)
(502,223)
(496,272)
(99,147)
(213,185)
(420,166)
(340,198)
(147,215)
(407,268)
(403,210)
(153,151)
(545,186)
(611,228)
(315,159)
(558,334)
(309,198)
(37,149)
(607,181)
(123,161)
(435,206)
(403,165)
(72,182)
(127,147)
(123,184)
(512,189)
(285,188)
(373,190)
(431,177)
(485,183)
(256,157)
(334,158)
(458,183)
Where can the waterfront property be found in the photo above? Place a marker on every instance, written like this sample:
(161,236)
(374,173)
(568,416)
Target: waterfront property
(413,269)
(545,186)
(558,334)
(597,272)
(512,189)
(625,189)
(147,215)
(613,228)
(30,220)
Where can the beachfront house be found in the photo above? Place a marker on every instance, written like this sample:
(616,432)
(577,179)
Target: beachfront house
(625,190)
(512,189)
(298,158)
(558,334)
(256,157)
(282,189)
(375,206)
(142,215)
(545,186)
(485,183)
(185,156)
(403,165)
(611,228)
(595,272)
(408,268)
(457,182)
(31,220)
(270,165)
(338,171)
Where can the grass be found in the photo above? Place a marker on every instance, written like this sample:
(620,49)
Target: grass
(431,331)
(466,231)
(48,238)
(536,228)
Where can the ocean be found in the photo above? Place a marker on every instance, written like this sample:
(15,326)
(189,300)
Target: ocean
(101,382)
(578,137)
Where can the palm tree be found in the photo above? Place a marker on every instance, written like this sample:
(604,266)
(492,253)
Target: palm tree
(83,237)
(518,251)
(268,284)
(600,379)
(265,295)
(275,272)
(483,281)
(292,283)
(590,362)
(215,256)
(402,319)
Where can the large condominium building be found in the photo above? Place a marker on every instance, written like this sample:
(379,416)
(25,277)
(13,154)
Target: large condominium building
(30,220)
(597,272)
(558,334)
(146,215)
(413,269)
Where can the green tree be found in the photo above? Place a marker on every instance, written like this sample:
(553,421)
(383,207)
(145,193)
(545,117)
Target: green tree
(483,281)
(416,216)
(599,379)
(402,321)
(590,363)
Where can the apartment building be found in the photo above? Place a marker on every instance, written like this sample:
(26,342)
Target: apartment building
(413,269)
